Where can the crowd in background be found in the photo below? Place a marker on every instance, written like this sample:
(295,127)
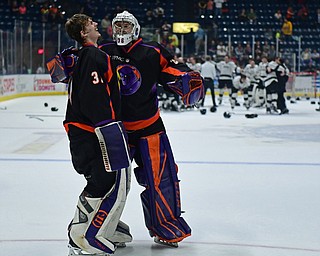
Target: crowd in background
(157,25)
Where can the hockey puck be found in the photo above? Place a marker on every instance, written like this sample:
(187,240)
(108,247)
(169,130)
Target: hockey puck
(226,115)
(312,102)
(203,111)
(307,98)
(46,104)
(54,109)
(213,109)
(251,115)
(292,101)
(317,109)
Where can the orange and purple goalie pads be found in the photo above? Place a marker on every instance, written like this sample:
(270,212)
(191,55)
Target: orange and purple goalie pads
(161,198)
(61,66)
(190,87)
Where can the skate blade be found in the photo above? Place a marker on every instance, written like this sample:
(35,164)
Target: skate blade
(120,244)
(157,240)
(73,251)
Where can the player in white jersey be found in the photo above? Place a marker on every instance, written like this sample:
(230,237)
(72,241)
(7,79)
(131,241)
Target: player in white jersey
(259,94)
(240,83)
(226,69)
(252,70)
(271,83)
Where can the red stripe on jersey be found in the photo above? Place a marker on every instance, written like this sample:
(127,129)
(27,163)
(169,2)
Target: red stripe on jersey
(141,124)
(79,125)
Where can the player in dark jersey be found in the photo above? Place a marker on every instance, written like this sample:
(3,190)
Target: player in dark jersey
(98,146)
(139,67)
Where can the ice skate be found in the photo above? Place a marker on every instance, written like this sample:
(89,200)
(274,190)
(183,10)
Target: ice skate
(274,110)
(158,240)
(75,251)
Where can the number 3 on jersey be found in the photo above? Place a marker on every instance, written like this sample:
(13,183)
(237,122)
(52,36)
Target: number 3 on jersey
(95,78)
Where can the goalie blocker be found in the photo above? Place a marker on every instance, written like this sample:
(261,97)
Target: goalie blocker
(114,146)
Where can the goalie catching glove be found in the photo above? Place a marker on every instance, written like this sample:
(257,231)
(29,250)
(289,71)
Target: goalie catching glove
(61,66)
(189,86)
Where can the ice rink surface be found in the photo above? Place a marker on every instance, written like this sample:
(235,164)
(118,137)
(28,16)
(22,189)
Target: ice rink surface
(249,187)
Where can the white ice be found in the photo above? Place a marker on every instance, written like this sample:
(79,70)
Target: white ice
(249,187)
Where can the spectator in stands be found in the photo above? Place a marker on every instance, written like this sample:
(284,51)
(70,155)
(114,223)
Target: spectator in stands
(257,50)
(290,13)
(239,51)
(22,8)
(310,68)
(14,8)
(44,11)
(218,7)
(247,53)
(159,15)
(252,16)
(306,57)
(174,43)
(106,28)
(53,12)
(318,15)
(315,57)
(303,13)
(221,51)
(166,28)
(39,70)
(242,16)
(286,29)
(149,19)
(212,48)
(265,47)
(199,40)
(269,34)
(209,10)
(278,15)
(202,5)
(272,52)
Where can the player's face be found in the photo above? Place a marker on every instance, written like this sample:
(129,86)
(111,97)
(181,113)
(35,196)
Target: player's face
(91,31)
(123,27)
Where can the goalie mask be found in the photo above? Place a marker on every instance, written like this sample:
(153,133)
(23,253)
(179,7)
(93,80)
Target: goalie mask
(125,28)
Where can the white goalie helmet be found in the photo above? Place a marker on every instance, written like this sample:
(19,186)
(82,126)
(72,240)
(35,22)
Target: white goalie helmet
(123,34)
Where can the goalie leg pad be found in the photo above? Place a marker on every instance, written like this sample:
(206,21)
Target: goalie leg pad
(96,219)
(114,146)
(161,199)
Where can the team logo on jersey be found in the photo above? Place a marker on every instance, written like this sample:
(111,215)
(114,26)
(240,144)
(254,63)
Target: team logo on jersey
(129,79)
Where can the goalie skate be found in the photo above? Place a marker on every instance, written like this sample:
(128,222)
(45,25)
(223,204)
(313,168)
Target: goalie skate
(158,240)
(75,251)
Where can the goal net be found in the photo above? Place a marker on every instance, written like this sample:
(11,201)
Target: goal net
(303,84)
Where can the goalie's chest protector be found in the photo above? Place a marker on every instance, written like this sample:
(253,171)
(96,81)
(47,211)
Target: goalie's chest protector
(137,69)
